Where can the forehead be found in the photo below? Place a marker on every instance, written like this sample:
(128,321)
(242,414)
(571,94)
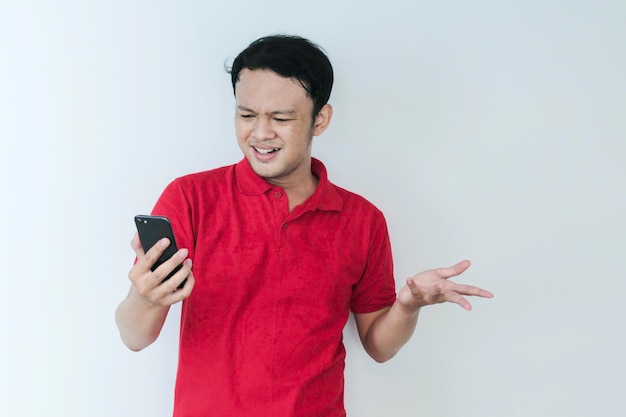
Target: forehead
(265,89)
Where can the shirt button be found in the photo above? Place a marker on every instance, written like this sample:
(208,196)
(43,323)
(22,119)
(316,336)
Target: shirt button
(278,194)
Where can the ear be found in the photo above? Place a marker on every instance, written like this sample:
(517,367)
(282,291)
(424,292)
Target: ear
(322,120)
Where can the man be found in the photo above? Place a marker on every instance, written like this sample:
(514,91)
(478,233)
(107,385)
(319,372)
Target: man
(280,257)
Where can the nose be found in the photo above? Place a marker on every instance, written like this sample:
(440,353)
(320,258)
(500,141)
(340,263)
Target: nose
(262,129)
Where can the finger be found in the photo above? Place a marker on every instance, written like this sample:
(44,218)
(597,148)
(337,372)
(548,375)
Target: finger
(471,290)
(144,261)
(158,290)
(453,271)
(457,298)
(153,254)
(415,290)
(166,268)
(180,294)
(136,245)
(173,283)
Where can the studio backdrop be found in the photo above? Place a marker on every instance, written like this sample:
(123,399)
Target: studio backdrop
(487,130)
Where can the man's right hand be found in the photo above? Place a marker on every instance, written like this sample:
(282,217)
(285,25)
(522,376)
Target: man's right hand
(140,316)
(149,285)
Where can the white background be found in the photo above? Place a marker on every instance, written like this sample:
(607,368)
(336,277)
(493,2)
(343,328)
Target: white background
(488,130)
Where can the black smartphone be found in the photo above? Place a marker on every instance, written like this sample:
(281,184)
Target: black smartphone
(151,229)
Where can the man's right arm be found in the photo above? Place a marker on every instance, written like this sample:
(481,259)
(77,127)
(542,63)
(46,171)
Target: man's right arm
(141,315)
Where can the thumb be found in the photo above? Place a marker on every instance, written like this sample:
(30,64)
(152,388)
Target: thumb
(455,270)
(415,289)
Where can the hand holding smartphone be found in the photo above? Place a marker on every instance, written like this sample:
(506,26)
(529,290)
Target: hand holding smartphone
(151,229)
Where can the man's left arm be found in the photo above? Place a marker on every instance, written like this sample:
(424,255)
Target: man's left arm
(385,331)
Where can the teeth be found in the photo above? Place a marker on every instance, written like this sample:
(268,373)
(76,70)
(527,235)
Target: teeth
(266,151)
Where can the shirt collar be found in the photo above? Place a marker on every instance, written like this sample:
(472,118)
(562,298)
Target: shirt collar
(325,196)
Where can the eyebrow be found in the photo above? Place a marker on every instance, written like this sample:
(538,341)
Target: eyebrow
(288,112)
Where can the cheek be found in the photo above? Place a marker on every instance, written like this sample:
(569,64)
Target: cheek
(298,133)
(241,132)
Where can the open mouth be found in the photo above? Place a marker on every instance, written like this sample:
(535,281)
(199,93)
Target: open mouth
(266,151)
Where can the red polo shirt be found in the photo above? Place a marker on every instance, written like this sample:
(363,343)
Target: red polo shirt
(261,333)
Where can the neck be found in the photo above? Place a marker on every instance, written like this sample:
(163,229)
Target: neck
(298,191)
(299,195)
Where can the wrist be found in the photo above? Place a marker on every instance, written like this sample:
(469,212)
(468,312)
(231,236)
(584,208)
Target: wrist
(143,302)
(406,311)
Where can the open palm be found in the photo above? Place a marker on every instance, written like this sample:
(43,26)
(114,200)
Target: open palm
(433,287)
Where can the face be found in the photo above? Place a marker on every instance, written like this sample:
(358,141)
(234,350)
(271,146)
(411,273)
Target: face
(275,127)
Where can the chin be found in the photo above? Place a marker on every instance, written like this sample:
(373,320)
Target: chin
(261,169)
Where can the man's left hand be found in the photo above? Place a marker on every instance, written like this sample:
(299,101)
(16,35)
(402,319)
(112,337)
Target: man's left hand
(433,287)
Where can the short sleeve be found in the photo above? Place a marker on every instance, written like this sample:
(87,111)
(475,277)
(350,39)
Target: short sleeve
(175,204)
(376,288)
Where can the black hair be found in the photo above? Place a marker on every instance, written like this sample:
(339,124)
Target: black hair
(290,57)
